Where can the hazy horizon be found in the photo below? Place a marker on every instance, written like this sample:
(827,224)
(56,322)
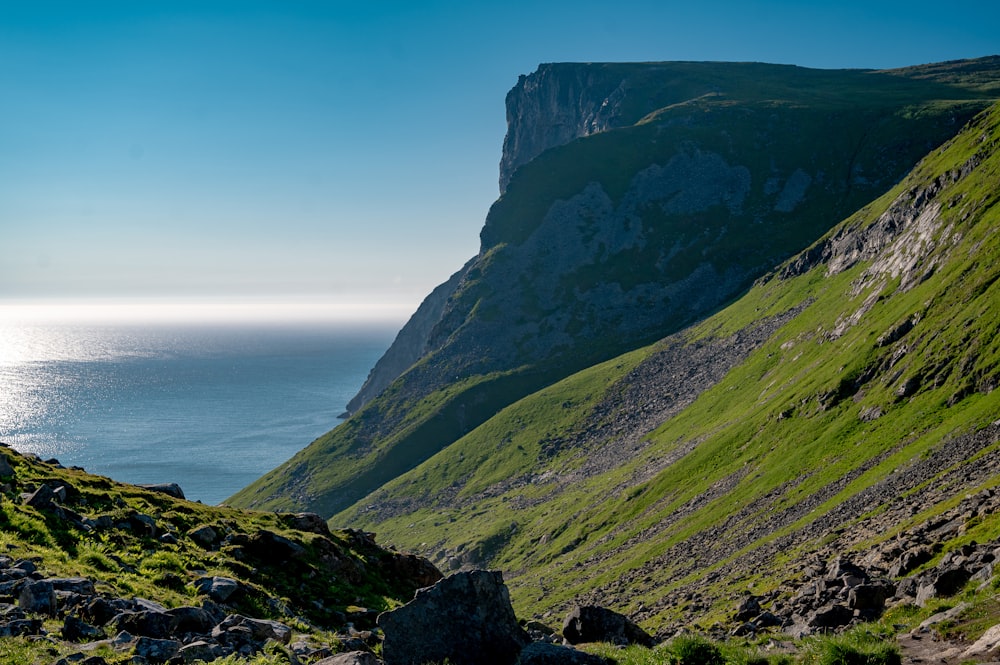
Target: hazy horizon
(207,311)
(340,153)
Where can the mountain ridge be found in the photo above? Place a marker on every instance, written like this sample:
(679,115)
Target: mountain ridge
(868,408)
(613,240)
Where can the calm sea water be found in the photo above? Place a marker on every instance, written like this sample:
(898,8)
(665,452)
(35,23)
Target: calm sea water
(210,408)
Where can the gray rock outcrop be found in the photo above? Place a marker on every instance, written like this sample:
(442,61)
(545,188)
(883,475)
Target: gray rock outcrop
(589,623)
(466,619)
(555,104)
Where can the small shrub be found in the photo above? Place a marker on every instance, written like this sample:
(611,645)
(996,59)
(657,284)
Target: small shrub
(857,647)
(95,556)
(693,650)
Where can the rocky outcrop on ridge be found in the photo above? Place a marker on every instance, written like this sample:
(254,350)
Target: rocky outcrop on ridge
(556,104)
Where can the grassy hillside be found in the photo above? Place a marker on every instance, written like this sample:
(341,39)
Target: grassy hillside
(845,398)
(800,150)
(130,542)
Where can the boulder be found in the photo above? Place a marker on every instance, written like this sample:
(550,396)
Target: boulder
(590,623)
(414,571)
(19,627)
(76,630)
(38,597)
(271,548)
(147,623)
(540,653)
(831,616)
(204,536)
(142,525)
(6,470)
(989,643)
(191,620)
(100,611)
(308,522)
(219,589)
(870,596)
(78,585)
(748,609)
(236,627)
(156,650)
(42,498)
(81,659)
(910,561)
(466,618)
(946,582)
(170,489)
(201,650)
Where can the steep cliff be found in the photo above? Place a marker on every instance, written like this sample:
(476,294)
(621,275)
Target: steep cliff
(615,239)
(410,344)
(845,406)
(556,104)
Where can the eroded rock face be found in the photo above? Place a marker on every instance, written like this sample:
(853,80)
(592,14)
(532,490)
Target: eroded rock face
(554,105)
(466,619)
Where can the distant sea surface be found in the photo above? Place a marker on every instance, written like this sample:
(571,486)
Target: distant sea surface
(211,408)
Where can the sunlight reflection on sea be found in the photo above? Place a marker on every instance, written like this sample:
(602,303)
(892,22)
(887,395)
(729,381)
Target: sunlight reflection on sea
(209,407)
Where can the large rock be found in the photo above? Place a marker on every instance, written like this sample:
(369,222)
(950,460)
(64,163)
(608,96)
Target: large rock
(155,650)
(465,618)
(147,623)
(590,623)
(237,629)
(273,549)
(170,489)
(76,630)
(414,570)
(219,589)
(205,536)
(6,470)
(78,585)
(870,596)
(38,597)
(540,653)
(946,582)
(201,650)
(309,522)
(989,643)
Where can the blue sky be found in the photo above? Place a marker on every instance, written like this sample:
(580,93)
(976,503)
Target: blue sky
(331,151)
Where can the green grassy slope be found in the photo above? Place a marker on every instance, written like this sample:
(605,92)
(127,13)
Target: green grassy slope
(855,132)
(133,542)
(878,386)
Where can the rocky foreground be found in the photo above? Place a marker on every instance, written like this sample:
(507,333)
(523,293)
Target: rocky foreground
(56,521)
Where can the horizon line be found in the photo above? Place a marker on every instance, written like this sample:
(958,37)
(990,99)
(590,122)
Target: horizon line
(210,310)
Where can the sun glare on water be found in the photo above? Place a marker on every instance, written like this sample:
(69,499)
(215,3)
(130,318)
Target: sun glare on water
(29,330)
(113,313)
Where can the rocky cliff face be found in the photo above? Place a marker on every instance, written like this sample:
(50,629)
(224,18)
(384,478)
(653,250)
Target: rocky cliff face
(713,174)
(554,105)
(410,344)
(847,403)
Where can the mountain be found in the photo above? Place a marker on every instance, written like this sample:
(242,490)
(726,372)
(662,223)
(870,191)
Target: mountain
(845,406)
(638,198)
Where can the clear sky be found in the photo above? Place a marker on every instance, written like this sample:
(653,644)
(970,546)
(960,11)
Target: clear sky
(332,151)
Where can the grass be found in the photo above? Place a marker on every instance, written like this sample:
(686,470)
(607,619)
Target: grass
(762,120)
(305,592)
(865,645)
(780,431)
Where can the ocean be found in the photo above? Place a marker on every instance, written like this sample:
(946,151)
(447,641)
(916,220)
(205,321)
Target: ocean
(210,407)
